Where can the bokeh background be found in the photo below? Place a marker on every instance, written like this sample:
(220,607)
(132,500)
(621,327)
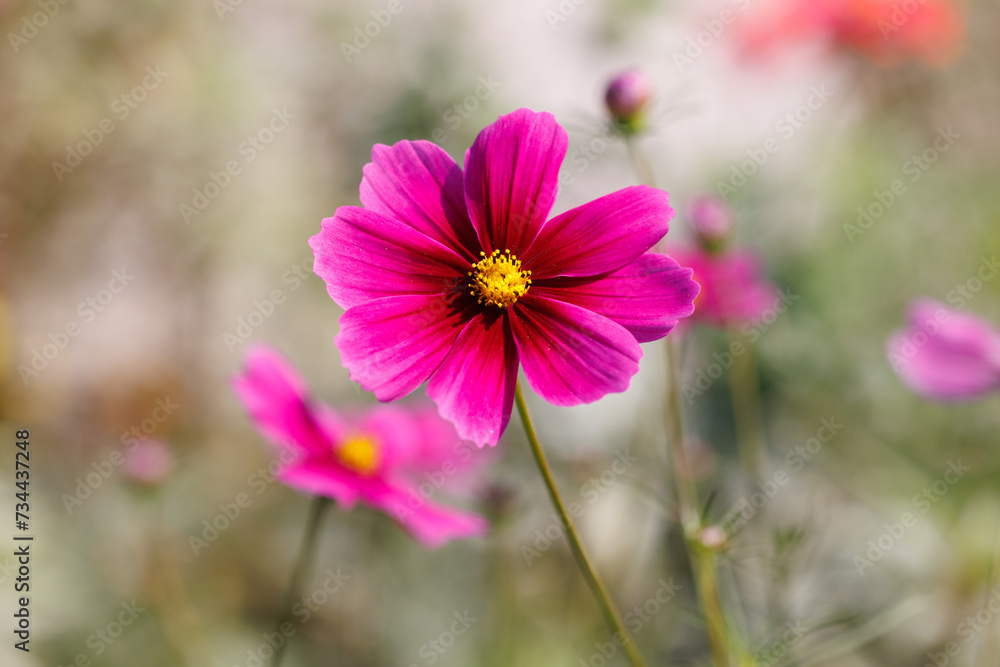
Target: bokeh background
(162,97)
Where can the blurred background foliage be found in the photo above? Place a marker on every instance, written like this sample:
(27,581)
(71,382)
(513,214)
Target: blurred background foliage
(228,68)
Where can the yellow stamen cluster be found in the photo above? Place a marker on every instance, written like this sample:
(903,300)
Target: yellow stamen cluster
(360,454)
(498,280)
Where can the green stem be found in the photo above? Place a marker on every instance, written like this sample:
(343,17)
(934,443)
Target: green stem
(306,554)
(745,393)
(702,562)
(611,615)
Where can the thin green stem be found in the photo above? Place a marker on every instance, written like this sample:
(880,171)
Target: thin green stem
(702,561)
(307,553)
(611,615)
(745,393)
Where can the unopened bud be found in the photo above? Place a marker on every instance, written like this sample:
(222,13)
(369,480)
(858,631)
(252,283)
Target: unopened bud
(627,95)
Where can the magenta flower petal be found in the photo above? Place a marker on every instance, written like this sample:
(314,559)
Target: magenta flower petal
(392,345)
(570,354)
(417,182)
(647,297)
(277,401)
(511,174)
(364,255)
(322,478)
(430,523)
(474,386)
(945,354)
(601,236)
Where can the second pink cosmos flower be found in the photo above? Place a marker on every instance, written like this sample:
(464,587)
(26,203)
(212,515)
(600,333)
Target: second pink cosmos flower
(457,277)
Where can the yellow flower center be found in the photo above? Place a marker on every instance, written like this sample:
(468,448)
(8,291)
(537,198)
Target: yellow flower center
(498,280)
(360,454)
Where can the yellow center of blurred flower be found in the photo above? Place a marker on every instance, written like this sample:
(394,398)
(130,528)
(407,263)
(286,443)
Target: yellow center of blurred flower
(360,454)
(498,280)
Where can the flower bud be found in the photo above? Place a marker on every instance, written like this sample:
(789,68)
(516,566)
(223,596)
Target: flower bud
(711,220)
(713,538)
(627,95)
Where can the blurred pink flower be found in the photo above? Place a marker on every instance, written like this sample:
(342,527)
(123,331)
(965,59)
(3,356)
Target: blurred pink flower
(626,98)
(457,278)
(946,354)
(733,290)
(148,461)
(888,32)
(391,458)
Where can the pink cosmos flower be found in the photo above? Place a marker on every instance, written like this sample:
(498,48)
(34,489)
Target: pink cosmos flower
(946,354)
(390,458)
(456,277)
(733,290)
(887,32)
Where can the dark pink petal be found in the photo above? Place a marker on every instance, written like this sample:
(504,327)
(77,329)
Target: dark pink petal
(474,386)
(570,354)
(945,354)
(601,236)
(364,255)
(392,345)
(511,174)
(277,400)
(417,182)
(647,297)
(430,523)
(322,478)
